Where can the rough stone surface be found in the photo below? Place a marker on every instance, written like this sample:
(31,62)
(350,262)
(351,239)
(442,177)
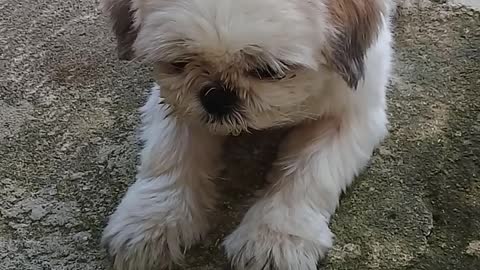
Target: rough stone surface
(68,119)
(475,4)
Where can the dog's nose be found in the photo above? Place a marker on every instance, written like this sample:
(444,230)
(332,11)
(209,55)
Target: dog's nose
(217,100)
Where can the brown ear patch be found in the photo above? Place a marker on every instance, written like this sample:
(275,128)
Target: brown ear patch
(356,24)
(122,15)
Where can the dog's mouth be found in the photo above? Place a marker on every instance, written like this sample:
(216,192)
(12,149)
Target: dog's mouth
(232,124)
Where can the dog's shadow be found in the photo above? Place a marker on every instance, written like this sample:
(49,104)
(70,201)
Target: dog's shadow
(248,159)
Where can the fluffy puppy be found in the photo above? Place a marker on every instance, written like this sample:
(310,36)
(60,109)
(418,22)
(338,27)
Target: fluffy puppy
(231,66)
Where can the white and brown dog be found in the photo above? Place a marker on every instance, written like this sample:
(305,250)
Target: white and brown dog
(229,66)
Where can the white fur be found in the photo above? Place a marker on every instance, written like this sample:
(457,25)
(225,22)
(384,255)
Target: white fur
(165,210)
(336,131)
(317,162)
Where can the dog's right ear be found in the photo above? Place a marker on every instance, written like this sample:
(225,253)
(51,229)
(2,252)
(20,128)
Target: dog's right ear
(122,19)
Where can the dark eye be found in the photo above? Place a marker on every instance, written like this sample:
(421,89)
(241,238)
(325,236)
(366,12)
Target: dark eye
(179,66)
(267,73)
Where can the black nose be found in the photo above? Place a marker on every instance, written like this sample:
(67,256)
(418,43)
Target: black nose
(217,100)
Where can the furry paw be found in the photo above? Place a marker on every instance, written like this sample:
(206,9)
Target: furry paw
(151,235)
(258,246)
(143,245)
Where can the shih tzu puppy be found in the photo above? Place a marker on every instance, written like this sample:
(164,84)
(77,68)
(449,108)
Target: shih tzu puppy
(224,67)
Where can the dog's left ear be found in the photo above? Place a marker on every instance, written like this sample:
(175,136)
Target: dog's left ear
(122,18)
(356,24)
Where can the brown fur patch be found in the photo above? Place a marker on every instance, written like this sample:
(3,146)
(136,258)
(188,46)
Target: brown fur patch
(121,16)
(356,24)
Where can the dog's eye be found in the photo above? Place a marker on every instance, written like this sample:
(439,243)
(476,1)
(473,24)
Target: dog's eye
(179,66)
(266,73)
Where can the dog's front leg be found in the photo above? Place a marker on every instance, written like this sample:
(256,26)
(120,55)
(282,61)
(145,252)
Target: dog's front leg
(288,228)
(164,211)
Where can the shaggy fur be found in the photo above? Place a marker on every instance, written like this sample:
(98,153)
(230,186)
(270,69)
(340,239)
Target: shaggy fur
(319,66)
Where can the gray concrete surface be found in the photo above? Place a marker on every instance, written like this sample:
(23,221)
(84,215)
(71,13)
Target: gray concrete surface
(68,149)
(475,4)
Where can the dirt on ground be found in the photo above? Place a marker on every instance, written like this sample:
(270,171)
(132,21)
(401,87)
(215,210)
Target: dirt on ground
(68,146)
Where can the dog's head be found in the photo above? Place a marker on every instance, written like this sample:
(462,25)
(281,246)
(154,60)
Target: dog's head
(248,64)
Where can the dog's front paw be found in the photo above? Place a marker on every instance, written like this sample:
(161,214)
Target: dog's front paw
(146,234)
(139,244)
(259,245)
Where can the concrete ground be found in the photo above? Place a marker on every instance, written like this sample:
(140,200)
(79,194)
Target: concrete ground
(68,149)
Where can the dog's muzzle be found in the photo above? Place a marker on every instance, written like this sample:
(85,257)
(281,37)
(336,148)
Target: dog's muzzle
(218,100)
